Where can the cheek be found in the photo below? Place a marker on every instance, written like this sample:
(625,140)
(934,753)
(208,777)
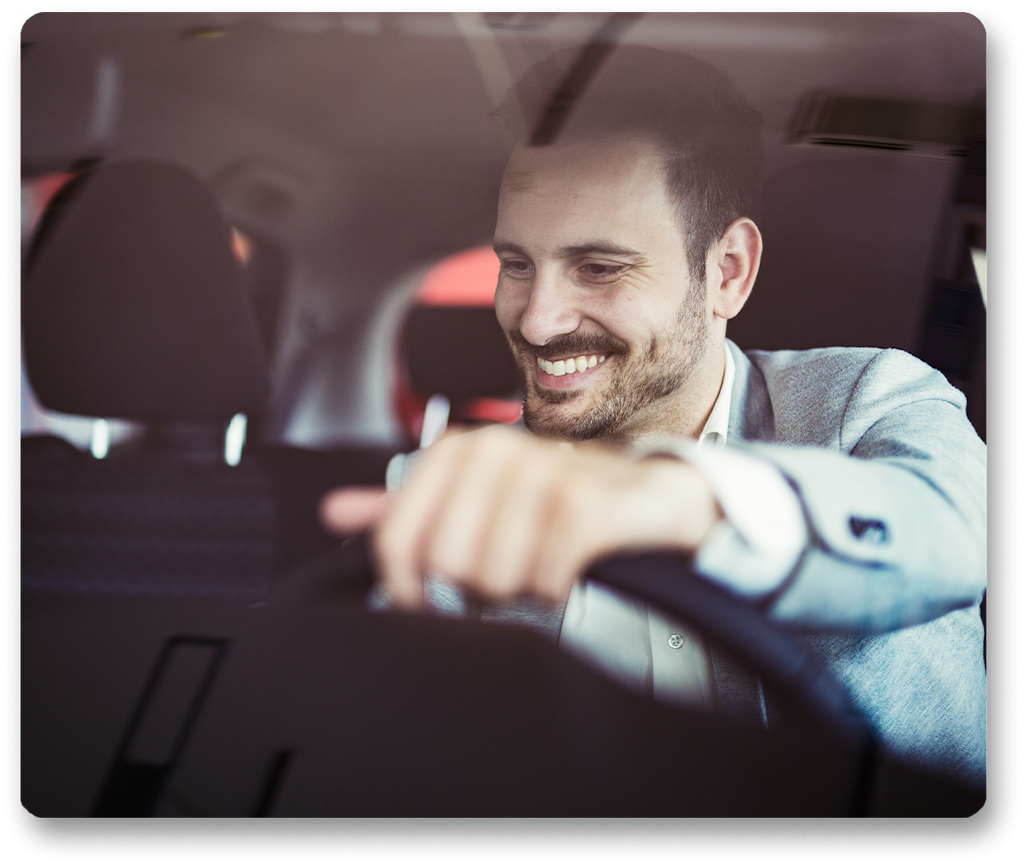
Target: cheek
(622,315)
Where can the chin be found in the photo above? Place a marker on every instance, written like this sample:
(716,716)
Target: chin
(548,421)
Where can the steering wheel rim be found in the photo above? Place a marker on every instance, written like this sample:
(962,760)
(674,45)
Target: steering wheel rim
(668,581)
(742,630)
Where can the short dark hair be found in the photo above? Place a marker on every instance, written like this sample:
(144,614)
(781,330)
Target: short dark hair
(711,138)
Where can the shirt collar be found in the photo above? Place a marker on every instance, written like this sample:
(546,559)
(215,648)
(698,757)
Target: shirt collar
(717,427)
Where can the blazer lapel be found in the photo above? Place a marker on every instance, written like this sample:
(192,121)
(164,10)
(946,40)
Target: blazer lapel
(740,693)
(751,417)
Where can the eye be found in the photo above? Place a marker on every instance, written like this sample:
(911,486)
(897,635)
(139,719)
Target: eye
(601,271)
(516,267)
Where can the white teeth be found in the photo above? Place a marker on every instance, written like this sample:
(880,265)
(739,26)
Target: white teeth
(570,366)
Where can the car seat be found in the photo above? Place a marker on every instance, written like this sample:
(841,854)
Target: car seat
(452,346)
(133,308)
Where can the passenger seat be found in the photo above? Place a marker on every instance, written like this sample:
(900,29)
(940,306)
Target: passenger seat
(133,307)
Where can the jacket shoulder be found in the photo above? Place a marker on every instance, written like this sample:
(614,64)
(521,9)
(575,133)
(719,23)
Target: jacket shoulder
(815,393)
(847,363)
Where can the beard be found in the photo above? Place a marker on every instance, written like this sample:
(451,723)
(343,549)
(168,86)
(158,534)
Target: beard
(642,377)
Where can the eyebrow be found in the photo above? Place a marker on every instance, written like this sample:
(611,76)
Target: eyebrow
(599,247)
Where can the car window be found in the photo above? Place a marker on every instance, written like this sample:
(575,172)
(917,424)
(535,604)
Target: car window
(350,164)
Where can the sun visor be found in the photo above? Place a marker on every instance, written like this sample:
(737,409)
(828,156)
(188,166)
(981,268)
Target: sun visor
(70,102)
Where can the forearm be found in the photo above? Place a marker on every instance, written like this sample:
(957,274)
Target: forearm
(844,543)
(892,542)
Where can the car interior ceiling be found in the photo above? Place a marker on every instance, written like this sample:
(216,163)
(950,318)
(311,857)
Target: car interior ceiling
(352,152)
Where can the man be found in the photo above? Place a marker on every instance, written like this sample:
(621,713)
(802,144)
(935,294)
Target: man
(841,489)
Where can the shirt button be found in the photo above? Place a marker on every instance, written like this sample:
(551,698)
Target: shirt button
(675,641)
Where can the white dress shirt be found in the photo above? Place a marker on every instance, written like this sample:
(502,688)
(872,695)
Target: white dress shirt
(750,552)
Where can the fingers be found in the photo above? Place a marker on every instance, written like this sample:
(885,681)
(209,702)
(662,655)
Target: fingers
(520,519)
(466,514)
(402,540)
(353,509)
(474,510)
(505,514)
(478,510)
(469,513)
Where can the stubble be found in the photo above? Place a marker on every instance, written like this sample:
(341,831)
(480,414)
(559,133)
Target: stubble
(643,377)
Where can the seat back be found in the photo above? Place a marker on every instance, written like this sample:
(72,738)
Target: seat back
(134,308)
(460,352)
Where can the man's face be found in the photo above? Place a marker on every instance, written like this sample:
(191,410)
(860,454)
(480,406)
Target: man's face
(594,274)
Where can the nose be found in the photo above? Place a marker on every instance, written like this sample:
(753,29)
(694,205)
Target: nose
(553,309)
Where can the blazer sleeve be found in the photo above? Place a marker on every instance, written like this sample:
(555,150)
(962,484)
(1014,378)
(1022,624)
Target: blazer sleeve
(894,503)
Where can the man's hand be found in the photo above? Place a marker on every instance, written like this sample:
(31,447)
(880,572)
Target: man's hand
(505,513)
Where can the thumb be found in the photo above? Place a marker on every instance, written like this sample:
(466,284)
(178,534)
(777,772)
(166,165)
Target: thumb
(354,508)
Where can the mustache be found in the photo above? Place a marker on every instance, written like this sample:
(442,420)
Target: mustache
(569,345)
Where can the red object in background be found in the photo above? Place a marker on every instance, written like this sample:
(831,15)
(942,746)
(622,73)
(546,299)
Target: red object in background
(48,186)
(464,279)
(41,192)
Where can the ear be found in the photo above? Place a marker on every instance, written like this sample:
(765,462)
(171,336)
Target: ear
(732,267)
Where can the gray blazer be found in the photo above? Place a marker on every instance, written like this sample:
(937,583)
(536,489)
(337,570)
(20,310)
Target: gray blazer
(889,589)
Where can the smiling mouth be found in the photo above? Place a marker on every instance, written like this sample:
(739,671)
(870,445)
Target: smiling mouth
(570,365)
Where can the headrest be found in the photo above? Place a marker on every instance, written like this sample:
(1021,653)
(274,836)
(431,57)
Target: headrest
(133,305)
(459,352)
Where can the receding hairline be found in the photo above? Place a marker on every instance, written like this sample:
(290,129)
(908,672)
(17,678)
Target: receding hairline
(651,147)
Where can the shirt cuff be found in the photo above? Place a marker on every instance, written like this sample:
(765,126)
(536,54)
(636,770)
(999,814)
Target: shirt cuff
(761,539)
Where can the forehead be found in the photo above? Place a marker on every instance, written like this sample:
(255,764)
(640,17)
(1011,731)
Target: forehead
(592,187)
(611,162)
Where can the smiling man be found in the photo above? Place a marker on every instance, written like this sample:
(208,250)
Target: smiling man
(843,490)
(615,336)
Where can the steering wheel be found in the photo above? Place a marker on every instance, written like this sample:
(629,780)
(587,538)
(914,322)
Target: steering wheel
(388,714)
(666,580)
